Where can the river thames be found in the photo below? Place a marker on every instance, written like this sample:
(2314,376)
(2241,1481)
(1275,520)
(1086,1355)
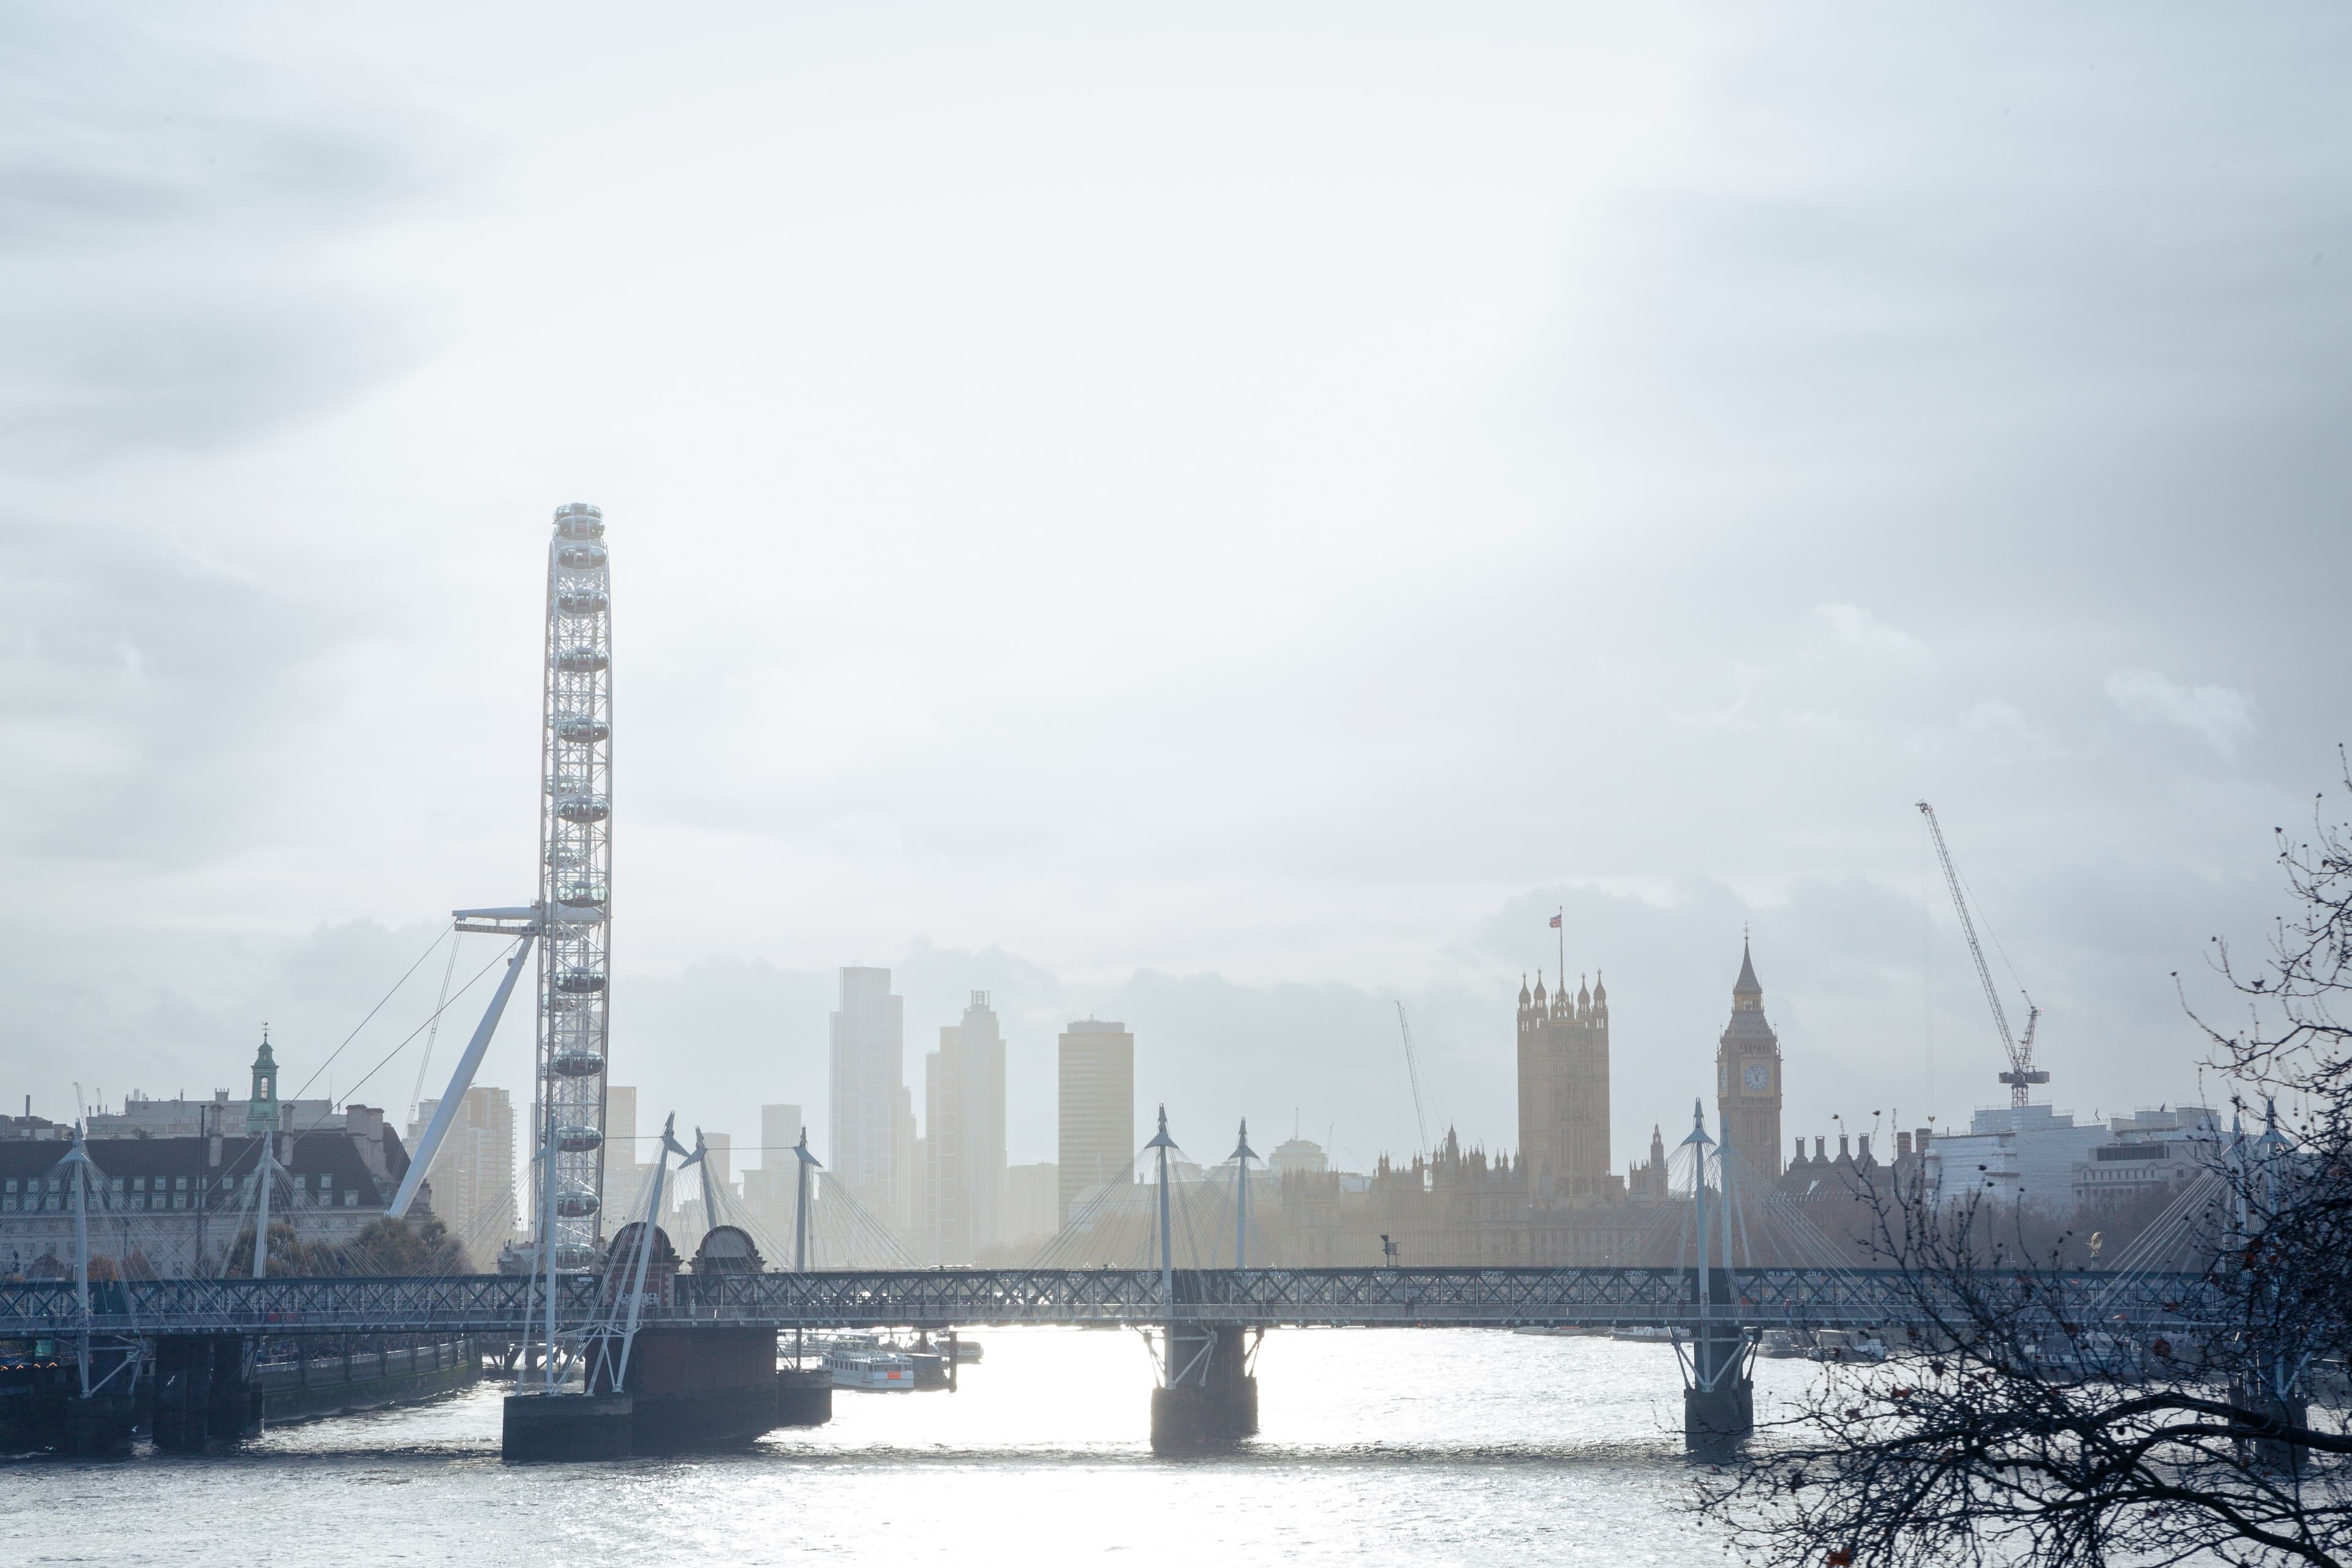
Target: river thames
(1406,1446)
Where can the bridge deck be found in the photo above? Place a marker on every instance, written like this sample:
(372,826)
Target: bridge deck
(969,1298)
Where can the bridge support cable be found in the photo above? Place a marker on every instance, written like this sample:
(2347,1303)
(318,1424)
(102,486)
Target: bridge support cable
(432,1034)
(524,925)
(1112,1201)
(646,1230)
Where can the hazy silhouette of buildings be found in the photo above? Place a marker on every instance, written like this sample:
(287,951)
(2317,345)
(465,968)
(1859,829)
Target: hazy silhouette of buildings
(1646,1182)
(1032,1206)
(963,1137)
(869,1140)
(474,1173)
(628,1162)
(769,1188)
(1298,1156)
(1748,1075)
(1097,1107)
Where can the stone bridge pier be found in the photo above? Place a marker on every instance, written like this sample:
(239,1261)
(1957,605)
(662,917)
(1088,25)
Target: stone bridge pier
(206,1393)
(1720,1396)
(1207,1396)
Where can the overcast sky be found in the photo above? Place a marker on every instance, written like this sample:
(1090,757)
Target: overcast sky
(1219,516)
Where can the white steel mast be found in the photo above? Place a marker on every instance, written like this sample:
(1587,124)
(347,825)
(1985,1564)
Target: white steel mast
(575,888)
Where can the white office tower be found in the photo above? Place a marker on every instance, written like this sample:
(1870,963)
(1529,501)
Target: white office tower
(1096,1111)
(963,1138)
(866,1095)
(575,889)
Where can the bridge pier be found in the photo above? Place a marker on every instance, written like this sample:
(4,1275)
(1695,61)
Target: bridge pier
(100,1424)
(1207,1398)
(803,1396)
(1719,1400)
(682,1389)
(565,1426)
(2275,1410)
(693,1388)
(206,1397)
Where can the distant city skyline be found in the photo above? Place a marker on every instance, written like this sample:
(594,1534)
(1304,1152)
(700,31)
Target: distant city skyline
(1614,503)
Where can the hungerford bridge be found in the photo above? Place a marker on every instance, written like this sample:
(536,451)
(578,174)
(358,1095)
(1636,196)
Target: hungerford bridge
(637,1356)
(1206,1321)
(935,1299)
(633,1354)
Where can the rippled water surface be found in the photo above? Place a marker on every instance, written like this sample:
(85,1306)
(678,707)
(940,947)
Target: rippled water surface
(1410,1446)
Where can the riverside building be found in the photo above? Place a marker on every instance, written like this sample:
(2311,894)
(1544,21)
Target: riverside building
(174,1207)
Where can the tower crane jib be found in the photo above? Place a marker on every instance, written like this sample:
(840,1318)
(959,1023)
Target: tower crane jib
(1413,1071)
(2021,1074)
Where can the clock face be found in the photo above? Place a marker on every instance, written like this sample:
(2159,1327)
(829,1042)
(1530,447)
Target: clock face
(1758,1079)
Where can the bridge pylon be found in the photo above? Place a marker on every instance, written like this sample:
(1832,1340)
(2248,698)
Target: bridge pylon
(1206,1398)
(1718,1359)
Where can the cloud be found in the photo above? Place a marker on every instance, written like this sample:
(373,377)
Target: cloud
(1852,627)
(2222,714)
(177,267)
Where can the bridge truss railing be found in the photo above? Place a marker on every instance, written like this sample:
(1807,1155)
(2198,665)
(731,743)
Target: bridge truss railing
(944,1298)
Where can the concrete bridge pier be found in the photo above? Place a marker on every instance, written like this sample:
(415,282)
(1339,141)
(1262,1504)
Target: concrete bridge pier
(566,1426)
(2274,1410)
(100,1424)
(1207,1398)
(803,1396)
(205,1395)
(1720,1396)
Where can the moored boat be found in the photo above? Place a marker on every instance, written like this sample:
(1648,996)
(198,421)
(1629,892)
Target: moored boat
(883,1370)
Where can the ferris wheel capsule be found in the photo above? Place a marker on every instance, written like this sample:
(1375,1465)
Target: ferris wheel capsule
(584,808)
(578,1203)
(583,731)
(578,520)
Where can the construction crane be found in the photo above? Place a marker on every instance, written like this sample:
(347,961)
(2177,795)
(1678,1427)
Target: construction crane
(1413,1071)
(2021,1074)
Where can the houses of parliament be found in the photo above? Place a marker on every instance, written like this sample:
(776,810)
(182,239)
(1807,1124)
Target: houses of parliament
(1563,1064)
(1559,1200)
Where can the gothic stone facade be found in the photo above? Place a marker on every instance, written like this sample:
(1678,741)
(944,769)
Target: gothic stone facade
(1748,1076)
(1564,1092)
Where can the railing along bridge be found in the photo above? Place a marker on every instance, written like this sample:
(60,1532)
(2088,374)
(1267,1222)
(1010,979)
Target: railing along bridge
(936,1299)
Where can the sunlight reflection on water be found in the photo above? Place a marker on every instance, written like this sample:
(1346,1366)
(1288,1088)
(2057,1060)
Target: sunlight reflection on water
(1413,1445)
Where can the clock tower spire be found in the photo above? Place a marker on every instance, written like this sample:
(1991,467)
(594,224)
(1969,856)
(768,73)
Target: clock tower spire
(1748,1075)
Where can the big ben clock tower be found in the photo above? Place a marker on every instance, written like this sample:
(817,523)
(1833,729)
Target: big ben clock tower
(1748,1076)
